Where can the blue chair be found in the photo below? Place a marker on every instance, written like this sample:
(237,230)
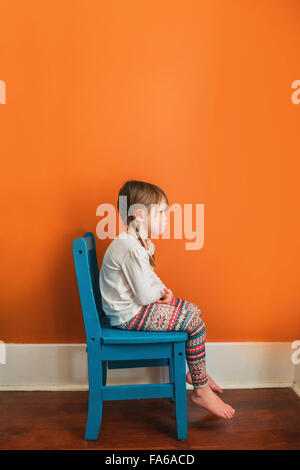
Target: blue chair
(112,348)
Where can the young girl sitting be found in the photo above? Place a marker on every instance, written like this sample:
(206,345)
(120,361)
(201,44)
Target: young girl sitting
(135,298)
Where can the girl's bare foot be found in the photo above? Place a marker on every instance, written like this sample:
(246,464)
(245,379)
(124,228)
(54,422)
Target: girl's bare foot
(215,387)
(206,398)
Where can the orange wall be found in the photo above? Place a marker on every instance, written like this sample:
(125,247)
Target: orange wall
(193,96)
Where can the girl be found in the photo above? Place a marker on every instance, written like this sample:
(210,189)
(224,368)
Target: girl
(135,298)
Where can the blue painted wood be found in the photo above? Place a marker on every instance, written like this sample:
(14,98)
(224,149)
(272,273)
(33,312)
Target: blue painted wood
(126,352)
(109,347)
(95,392)
(137,363)
(180,390)
(132,392)
(117,336)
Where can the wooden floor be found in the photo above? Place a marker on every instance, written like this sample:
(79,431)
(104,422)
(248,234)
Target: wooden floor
(264,419)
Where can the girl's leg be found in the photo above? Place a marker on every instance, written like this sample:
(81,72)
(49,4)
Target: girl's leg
(195,351)
(182,315)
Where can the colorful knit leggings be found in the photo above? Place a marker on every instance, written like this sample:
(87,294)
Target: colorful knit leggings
(180,315)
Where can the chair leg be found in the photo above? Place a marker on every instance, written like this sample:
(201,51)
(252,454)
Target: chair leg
(171,373)
(180,390)
(95,407)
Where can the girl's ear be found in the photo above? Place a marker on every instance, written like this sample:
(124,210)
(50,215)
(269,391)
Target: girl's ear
(139,216)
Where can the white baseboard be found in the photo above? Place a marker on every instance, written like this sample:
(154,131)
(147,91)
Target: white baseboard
(232,365)
(296,385)
(250,364)
(296,389)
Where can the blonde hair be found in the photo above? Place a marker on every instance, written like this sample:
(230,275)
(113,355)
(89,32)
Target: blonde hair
(139,192)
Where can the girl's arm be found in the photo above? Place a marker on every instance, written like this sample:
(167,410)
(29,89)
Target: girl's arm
(141,277)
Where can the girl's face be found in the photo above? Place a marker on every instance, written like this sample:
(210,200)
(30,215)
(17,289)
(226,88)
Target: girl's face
(157,219)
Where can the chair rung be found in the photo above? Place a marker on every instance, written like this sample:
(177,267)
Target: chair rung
(132,392)
(137,363)
(111,352)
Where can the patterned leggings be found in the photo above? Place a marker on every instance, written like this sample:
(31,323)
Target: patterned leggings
(180,315)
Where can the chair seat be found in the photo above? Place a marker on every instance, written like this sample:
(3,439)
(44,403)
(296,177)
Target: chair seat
(118,336)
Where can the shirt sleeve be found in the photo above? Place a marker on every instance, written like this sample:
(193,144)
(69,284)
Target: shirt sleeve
(145,285)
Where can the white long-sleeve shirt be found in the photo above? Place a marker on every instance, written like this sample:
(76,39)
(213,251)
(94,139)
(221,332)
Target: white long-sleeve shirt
(127,280)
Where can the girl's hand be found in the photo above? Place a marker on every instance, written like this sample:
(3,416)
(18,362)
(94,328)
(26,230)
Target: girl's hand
(167,299)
